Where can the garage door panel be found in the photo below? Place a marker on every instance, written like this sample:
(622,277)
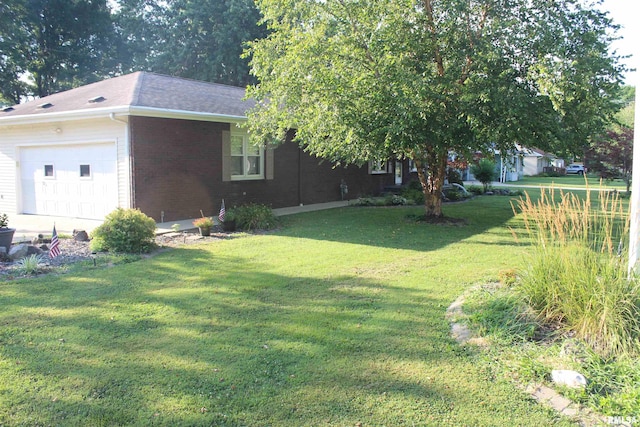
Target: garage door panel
(66,192)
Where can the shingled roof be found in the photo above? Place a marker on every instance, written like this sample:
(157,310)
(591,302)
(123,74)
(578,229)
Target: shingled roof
(140,93)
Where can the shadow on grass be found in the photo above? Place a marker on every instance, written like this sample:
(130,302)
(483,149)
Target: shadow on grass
(174,343)
(396,227)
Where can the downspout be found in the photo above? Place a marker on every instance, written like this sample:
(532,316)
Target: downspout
(127,152)
(300,175)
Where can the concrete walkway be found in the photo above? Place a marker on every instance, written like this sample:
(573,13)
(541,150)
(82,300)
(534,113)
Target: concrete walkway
(29,226)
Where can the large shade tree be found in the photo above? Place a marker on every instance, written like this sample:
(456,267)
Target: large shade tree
(363,80)
(51,45)
(196,39)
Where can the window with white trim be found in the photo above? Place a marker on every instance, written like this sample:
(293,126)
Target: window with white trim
(247,160)
(378,167)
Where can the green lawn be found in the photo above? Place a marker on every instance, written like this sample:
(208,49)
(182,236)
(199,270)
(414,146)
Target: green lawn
(336,319)
(572,181)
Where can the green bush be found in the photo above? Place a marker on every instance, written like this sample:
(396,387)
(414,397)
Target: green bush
(252,217)
(31,264)
(454,177)
(475,189)
(395,200)
(453,195)
(125,231)
(413,192)
(365,201)
(485,172)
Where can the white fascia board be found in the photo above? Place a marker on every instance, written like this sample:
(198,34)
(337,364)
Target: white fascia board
(63,115)
(185,115)
(125,110)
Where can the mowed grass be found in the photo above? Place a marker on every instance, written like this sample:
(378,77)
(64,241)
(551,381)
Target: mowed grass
(336,319)
(572,181)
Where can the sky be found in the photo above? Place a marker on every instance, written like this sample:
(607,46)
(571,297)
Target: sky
(626,14)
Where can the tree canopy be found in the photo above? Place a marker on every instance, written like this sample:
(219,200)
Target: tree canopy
(59,44)
(196,39)
(51,45)
(363,80)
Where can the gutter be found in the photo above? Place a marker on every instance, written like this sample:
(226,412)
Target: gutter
(122,110)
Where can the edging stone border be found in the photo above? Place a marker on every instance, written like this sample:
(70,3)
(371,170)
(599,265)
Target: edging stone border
(541,393)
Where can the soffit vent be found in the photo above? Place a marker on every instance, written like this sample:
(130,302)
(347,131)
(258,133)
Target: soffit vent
(96,99)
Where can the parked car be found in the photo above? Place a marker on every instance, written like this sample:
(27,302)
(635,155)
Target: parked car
(577,169)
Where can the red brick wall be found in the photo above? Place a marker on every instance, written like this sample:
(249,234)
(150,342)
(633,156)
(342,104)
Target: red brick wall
(177,170)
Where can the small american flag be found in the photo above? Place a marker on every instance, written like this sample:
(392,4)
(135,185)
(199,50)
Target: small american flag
(54,250)
(222,212)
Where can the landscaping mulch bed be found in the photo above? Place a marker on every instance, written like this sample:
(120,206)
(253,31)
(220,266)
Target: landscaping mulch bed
(72,251)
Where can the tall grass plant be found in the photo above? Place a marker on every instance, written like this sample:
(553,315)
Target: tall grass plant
(577,278)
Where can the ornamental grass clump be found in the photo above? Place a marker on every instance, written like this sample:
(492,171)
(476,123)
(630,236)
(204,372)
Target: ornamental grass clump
(577,278)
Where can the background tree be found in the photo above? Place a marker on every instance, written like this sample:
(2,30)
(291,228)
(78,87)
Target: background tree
(57,44)
(196,39)
(625,117)
(363,80)
(485,172)
(611,156)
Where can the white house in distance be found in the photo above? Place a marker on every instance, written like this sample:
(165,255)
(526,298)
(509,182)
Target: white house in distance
(536,160)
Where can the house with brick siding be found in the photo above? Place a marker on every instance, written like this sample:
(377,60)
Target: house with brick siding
(168,146)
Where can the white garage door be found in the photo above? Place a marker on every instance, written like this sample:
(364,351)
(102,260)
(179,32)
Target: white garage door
(77,181)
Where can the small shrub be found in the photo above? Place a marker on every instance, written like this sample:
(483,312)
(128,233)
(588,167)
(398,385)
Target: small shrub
(395,200)
(30,264)
(126,231)
(363,201)
(475,189)
(204,222)
(485,172)
(453,195)
(454,177)
(252,217)
(413,192)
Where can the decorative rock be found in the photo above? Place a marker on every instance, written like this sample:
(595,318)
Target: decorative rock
(568,378)
(80,236)
(32,250)
(39,240)
(18,251)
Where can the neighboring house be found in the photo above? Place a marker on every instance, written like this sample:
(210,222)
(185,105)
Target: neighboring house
(170,147)
(508,166)
(536,160)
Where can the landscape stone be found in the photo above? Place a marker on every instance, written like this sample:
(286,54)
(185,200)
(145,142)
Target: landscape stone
(18,251)
(80,236)
(568,378)
(33,250)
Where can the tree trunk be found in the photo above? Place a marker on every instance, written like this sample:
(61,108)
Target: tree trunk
(432,172)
